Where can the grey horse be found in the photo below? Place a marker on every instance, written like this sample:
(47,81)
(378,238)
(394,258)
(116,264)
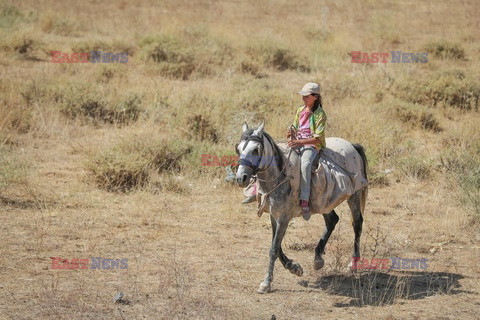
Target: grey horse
(260,155)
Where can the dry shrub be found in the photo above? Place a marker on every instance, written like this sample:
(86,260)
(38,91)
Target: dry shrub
(417,116)
(11,16)
(463,166)
(200,128)
(60,25)
(112,46)
(14,169)
(185,56)
(442,88)
(415,168)
(271,54)
(131,163)
(344,87)
(24,45)
(445,50)
(83,101)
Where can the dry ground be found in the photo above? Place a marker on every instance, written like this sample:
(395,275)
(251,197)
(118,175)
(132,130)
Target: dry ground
(200,254)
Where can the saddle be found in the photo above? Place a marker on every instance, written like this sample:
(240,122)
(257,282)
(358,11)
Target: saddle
(333,177)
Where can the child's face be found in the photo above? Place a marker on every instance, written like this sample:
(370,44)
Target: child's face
(309,100)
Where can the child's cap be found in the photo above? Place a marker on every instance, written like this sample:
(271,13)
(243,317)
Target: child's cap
(310,88)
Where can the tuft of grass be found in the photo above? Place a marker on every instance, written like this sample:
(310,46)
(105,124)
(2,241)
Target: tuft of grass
(415,167)
(132,162)
(185,56)
(463,167)
(112,46)
(418,116)
(11,16)
(273,55)
(14,170)
(442,88)
(24,45)
(445,50)
(82,101)
(200,128)
(60,25)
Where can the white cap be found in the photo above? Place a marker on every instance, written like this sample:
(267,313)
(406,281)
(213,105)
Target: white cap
(310,88)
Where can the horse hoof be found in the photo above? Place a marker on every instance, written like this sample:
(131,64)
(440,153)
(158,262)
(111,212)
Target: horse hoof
(297,270)
(264,288)
(318,264)
(352,267)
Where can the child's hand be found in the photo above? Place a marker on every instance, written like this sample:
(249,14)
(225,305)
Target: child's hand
(294,143)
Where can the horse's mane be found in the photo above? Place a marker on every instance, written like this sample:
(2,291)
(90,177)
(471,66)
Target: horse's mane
(277,150)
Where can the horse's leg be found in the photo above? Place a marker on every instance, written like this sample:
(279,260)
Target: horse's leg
(280,229)
(331,220)
(356,204)
(289,264)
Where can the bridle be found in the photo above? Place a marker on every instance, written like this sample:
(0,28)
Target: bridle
(255,166)
(246,162)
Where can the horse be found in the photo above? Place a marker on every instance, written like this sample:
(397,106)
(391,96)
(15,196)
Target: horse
(259,155)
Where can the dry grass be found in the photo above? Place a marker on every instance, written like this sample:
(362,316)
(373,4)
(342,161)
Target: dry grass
(104,160)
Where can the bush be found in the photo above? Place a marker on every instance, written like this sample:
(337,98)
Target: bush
(200,128)
(444,88)
(445,50)
(10,16)
(82,101)
(131,163)
(23,44)
(183,57)
(415,168)
(112,46)
(273,55)
(14,170)
(59,25)
(418,116)
(464,167)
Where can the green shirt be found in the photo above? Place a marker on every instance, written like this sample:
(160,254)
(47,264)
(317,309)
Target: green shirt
(317,125)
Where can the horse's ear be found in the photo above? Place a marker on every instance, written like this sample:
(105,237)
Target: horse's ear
(259,131)
(245,127)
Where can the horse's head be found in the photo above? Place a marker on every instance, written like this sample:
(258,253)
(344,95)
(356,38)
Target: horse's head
(250,152)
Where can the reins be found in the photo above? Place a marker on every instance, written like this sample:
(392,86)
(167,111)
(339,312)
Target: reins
(249,164)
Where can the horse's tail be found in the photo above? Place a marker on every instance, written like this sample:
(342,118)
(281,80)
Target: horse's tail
(364,191)
(361,151)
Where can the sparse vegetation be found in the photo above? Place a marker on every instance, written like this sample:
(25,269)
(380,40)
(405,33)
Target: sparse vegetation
(106,160)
